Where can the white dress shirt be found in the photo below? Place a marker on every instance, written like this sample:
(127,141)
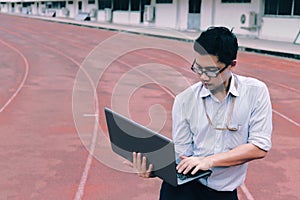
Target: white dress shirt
(252,116)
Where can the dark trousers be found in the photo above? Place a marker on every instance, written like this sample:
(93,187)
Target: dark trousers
(194,191)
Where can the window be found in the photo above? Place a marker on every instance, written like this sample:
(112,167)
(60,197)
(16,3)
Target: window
(70,2)
(194,6)
(102,4)
(135,5)
(297,8)
(26,4)
(121,5)
(58,4)
(270,8)
(285,7)
(164,1)
(91,1)
(282,7)
(236,1)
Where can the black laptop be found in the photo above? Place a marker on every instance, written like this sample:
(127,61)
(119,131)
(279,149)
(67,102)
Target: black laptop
(127,136)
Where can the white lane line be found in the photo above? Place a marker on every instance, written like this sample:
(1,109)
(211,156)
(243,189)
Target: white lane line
(88,163)
(24,78)
(85,173)
(286,118)
(90,115)
(247,192)
(272,82)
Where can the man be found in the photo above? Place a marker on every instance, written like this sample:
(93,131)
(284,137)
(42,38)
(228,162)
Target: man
(220,123)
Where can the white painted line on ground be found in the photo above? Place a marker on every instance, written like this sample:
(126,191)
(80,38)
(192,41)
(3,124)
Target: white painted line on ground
(90,115)
(87,167)
(286,118)
(24,78)
(85,173)
(247,192)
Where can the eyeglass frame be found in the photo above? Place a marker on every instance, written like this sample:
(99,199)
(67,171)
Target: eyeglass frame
(205,72)
(228,117)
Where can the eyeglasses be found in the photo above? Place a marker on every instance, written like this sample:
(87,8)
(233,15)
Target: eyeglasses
(228,118)
(211,71)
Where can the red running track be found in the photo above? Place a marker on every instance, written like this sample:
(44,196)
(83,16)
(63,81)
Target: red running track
(44,157)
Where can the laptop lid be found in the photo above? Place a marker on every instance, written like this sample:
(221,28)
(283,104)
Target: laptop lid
(127,136)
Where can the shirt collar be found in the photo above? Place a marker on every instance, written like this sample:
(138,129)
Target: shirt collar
(232,88)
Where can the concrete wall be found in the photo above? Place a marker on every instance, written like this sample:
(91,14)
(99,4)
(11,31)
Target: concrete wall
(120,17)
(134,17)
(165,15)
(229,15)
(72,9)
(282,29)
(101,16)
(182,10)
(207,14)
(4,8)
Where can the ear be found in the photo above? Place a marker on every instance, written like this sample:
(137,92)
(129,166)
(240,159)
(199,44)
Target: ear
(233,63)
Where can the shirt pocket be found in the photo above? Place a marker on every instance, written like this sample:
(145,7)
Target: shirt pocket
(235,138)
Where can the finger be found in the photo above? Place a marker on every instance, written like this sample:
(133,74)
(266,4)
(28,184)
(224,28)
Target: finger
(150,168)
(134,159)
(181,165)
(195,170)
(149,171)
(144,164)
(188,169)
(182,157)
(139,161)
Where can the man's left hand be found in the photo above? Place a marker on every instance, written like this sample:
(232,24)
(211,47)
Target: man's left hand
(193,163)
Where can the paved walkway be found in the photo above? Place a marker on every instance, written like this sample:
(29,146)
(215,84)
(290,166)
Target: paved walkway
(285,49)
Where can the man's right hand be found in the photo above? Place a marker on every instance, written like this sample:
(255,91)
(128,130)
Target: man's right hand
(140,165)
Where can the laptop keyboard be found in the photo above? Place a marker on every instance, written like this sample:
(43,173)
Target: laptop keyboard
(182,176)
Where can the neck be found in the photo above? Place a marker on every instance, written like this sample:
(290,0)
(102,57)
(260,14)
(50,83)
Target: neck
(221,92)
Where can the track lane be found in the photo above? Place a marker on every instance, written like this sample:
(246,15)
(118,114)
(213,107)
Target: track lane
(13,77)
(92,181)
(33,84)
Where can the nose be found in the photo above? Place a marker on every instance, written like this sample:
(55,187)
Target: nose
(204,77)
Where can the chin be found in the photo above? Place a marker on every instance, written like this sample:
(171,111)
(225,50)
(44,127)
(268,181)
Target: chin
(210,87)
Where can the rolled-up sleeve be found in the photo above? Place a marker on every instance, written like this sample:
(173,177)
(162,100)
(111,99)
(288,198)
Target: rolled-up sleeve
(260,124)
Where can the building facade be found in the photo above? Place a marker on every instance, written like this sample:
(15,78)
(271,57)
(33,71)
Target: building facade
(264,19)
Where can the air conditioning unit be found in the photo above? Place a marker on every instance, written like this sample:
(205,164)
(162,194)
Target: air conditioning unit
(108,14)
(149,13)
(249,20)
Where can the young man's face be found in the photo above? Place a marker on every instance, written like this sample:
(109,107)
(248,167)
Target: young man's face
(215,74)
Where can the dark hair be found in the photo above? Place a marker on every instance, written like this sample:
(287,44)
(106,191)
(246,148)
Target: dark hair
(217,41)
